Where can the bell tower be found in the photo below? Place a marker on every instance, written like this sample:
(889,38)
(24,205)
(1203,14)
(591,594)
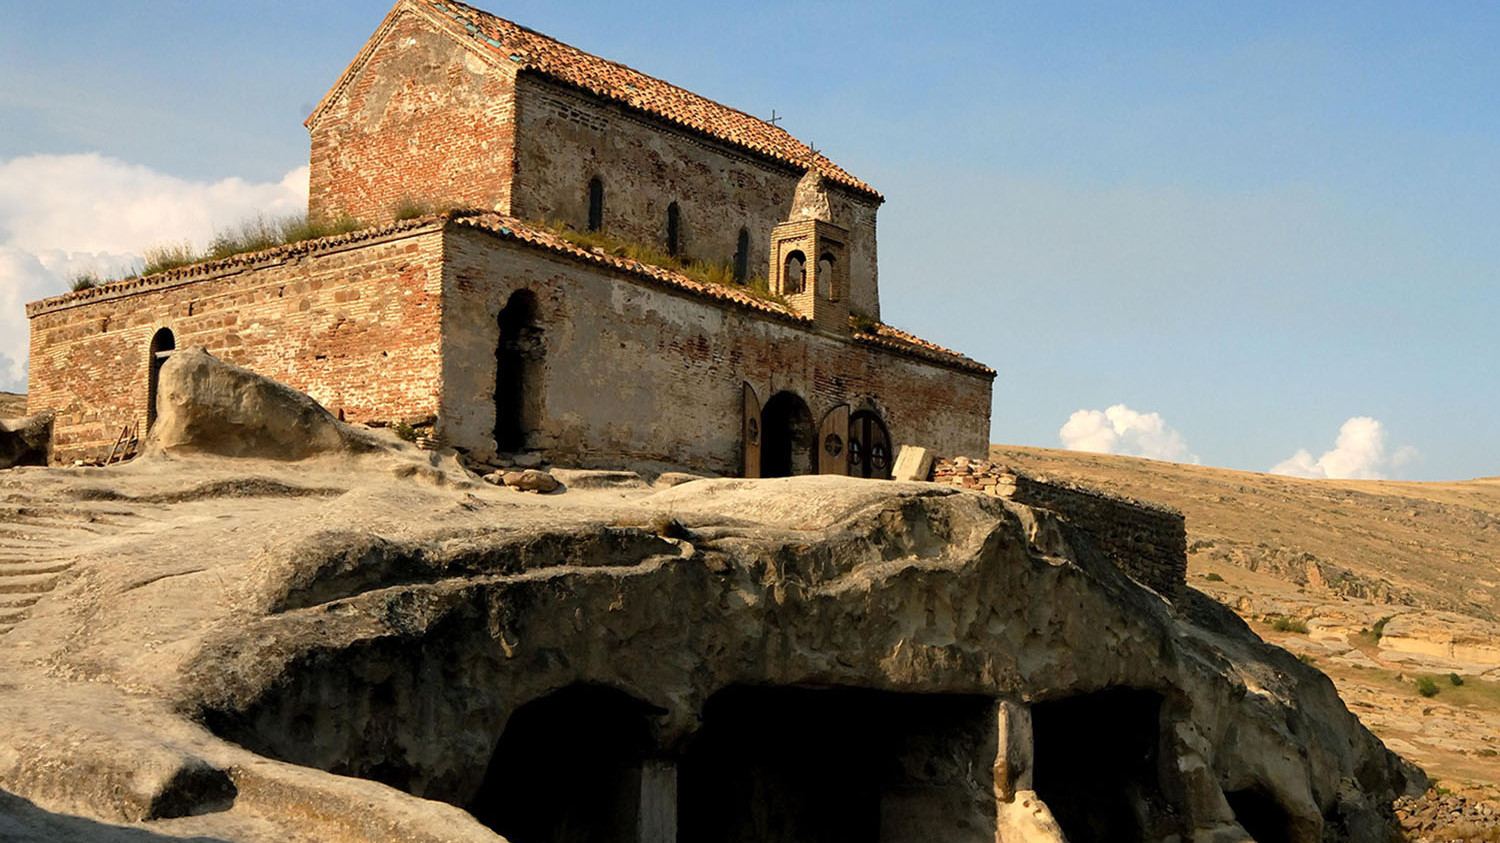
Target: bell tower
(810,259)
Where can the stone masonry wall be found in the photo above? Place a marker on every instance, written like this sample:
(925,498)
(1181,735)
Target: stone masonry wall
(566,137)
(355,327)
(639,373)
(424,119)
(1147,541)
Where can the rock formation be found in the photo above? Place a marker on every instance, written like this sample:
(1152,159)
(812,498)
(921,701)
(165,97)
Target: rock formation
(207,406)
(813,658)
(24,441)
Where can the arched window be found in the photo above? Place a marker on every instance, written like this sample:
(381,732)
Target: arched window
(596,204)
(674,229)
(162,346)
(826,285)
(793,275)
(742,257)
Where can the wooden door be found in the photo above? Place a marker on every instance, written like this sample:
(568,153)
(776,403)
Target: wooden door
(869,447)
(750,431)
(833,441)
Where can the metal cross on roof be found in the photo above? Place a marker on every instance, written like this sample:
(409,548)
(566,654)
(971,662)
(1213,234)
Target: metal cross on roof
(775,118)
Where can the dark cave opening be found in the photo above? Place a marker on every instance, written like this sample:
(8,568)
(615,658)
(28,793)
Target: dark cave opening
(788,764)
(567,769)
(1261,815)
(1097,764)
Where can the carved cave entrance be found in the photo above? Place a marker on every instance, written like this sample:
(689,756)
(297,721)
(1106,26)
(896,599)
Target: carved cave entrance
(779,764)
(1261,816)
(518,372)
(568,769)
(788,435)
(163,343)
(1098,766)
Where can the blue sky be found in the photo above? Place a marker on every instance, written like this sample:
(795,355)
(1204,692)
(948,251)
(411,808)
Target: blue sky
(1249,224)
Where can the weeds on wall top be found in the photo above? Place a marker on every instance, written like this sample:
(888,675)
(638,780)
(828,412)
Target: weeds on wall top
(252,235)
(702,271)
(83,281)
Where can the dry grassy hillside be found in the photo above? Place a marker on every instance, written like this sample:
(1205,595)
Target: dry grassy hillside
(1381,584)
(12,405)
(1433,545)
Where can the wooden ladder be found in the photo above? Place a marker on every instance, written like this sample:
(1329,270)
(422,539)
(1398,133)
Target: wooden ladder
(125,444)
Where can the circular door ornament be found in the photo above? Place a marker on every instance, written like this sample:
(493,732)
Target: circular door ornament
(752,431)
(879,457)
(833,445)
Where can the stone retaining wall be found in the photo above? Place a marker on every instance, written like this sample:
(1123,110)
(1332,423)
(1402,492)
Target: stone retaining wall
(1148,541)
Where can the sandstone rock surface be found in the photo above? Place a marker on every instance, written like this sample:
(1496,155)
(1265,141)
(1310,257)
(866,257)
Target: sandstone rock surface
(207,406)
(318,617)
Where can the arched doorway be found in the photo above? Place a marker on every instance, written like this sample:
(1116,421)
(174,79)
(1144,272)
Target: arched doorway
(163,343)
(869,447)
(568,769)
(787,440)
(518,371)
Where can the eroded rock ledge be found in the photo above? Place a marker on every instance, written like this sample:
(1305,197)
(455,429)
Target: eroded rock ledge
(910,661)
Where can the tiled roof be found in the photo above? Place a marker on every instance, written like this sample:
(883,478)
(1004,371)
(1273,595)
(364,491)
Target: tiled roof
(509,228)
(534,51)
(896,339)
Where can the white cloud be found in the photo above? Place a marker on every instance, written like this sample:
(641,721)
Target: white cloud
(65,214)
(1359,453)
(1121,430)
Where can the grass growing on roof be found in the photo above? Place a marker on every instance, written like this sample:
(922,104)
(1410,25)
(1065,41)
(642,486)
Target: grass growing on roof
(255,234)
(702,271)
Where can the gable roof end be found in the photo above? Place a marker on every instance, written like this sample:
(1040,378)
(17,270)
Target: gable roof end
(502,41)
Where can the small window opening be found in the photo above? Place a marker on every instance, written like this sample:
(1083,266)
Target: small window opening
(742,257)
(826,286)
(793,278)
(596,204)
(674,229)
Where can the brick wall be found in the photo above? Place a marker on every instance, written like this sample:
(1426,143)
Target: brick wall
(639,373)
(421,118)
(355,326)
(1147,541)
(566,137)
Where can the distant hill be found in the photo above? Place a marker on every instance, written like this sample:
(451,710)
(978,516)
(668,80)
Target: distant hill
(12,405)
(1433,545)
(1383,585)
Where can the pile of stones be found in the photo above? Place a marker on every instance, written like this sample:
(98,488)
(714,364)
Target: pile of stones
(972,474)
(1440,815)
(520,472)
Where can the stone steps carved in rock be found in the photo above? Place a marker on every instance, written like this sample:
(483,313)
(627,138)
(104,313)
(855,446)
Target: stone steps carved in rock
(39,543)
(28,583)
(13,569)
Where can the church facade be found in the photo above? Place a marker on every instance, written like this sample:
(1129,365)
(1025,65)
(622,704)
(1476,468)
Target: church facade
(481,315)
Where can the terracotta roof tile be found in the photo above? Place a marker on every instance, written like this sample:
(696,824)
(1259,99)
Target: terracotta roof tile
(532,50)
(896,339)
